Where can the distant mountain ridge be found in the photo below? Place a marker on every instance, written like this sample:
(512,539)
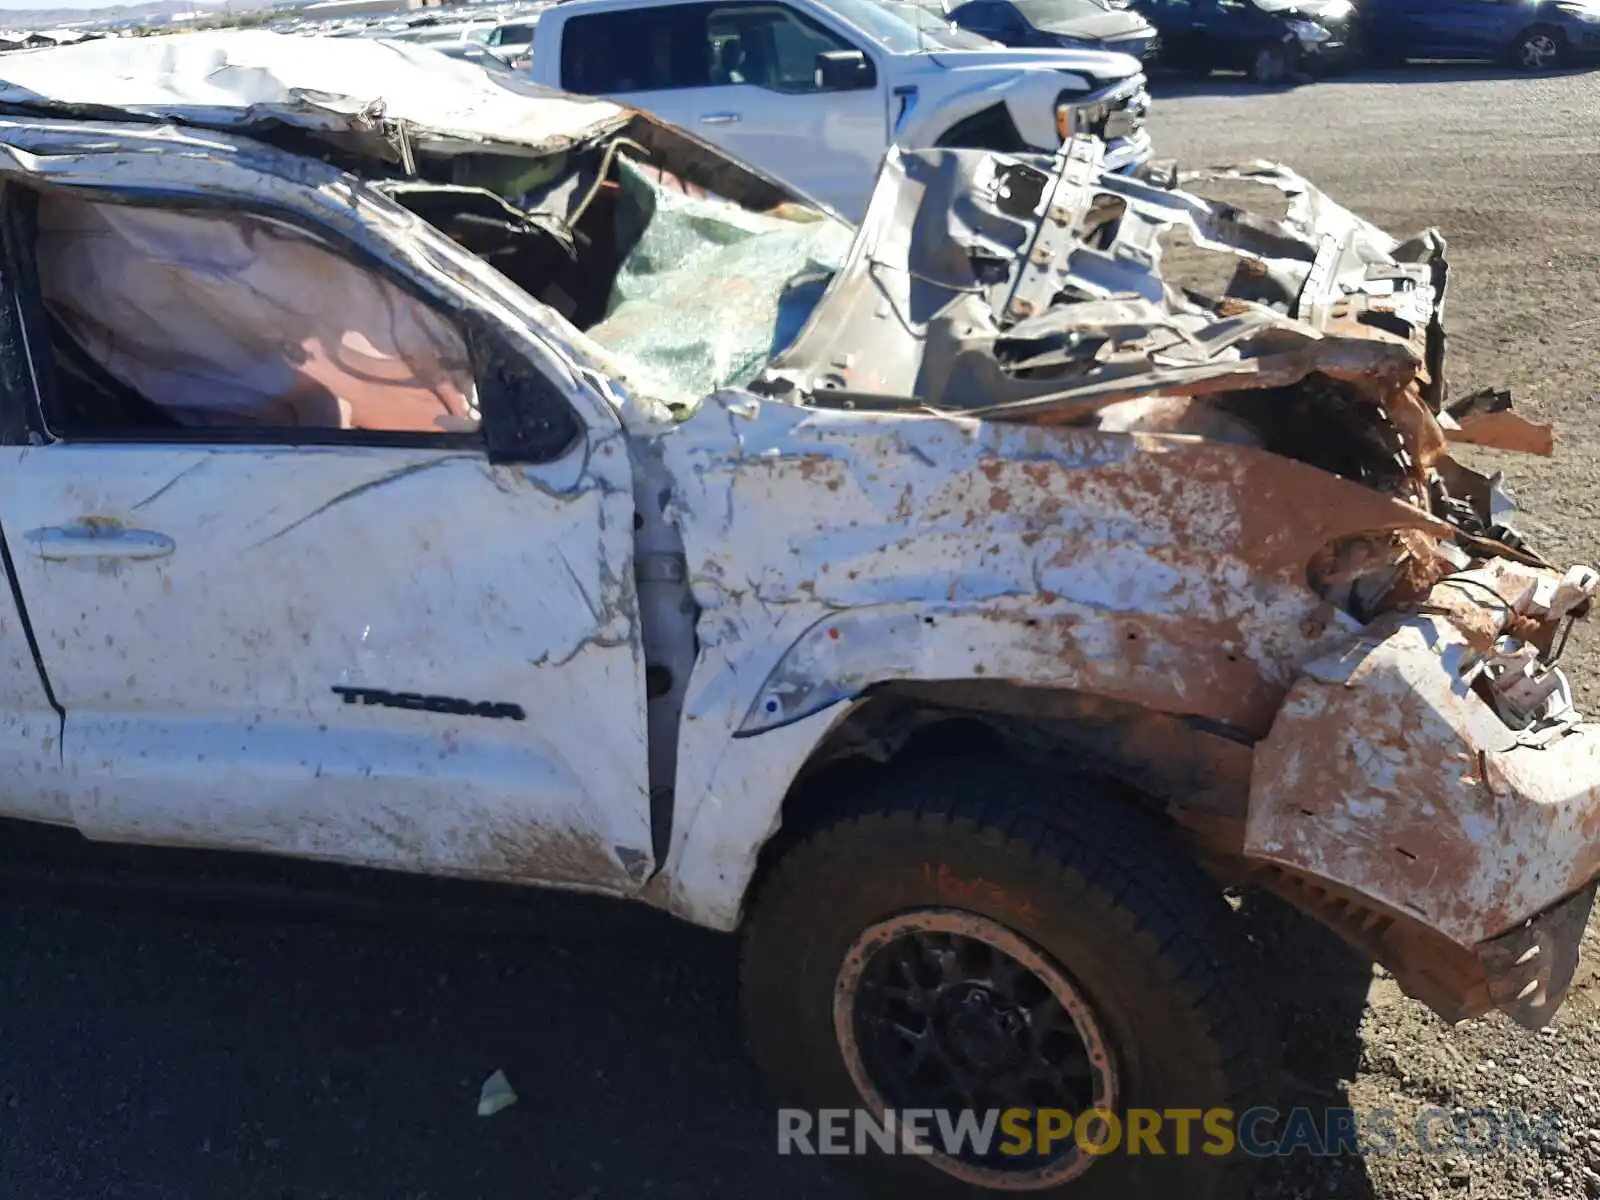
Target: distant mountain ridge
(50,18)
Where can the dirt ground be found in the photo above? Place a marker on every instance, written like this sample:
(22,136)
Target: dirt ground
(1506,167)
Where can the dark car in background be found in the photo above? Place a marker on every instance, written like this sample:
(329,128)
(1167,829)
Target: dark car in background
(932,23)
(1272,41)
(1045,23)
(1535,35)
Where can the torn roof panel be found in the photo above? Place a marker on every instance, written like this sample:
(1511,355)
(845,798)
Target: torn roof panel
(242,79)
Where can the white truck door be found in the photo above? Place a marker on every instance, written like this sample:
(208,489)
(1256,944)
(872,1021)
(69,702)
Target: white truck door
(373,646)
(652,57)
(793,113)
(750,78)
(30,723)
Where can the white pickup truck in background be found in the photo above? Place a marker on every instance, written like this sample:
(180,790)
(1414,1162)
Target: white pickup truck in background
(814,93)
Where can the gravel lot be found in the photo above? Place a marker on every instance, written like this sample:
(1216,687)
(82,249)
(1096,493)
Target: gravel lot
(152,1054)
(1506,167)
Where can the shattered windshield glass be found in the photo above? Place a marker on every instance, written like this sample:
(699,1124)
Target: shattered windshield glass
(709,291)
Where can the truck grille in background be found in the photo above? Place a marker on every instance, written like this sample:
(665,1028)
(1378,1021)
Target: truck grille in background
(1128,113)
(1116,112)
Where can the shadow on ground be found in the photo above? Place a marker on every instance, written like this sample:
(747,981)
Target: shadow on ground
(169,1055)
(1319,988)
(160,1042)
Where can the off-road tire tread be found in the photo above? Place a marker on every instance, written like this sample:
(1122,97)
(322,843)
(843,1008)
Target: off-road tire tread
(1100,845)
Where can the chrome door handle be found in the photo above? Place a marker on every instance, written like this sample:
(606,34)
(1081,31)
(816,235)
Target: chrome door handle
(98,540)
(722,118)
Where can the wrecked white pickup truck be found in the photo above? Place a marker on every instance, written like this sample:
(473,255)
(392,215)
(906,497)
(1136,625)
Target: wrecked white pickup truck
(527,492)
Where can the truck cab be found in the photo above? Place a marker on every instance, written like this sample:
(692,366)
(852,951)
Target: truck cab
(814,93)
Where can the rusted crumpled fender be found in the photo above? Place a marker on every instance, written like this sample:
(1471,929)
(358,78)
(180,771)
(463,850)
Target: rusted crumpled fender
(1433,787)
(830,551)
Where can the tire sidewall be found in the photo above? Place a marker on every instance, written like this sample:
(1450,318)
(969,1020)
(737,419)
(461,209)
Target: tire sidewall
(1163,1052)
(1280,59)
(1539,31)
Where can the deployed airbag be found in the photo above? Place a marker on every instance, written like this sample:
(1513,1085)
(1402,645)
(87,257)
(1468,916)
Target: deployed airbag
(232,319)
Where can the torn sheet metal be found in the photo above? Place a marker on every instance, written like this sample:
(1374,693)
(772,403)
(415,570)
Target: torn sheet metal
(1485,419)
(1159,531)
(360,92)
(1387,773)
(1416,774)
(1027,290)
(835,549)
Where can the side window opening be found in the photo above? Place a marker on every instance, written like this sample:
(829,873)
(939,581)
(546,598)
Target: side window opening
(770,46)
(634,254)
(172,319)
(638,50)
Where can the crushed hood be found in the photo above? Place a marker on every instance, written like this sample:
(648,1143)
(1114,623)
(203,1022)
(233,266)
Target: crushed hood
(1021,285)
(1050,291)
(1105,26)
(359,93)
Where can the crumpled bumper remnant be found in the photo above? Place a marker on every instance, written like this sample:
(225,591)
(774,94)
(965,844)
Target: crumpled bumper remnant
(1433,788)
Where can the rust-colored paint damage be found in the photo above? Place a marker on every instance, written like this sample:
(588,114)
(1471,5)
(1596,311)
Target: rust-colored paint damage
(1485,419)
(1237,507)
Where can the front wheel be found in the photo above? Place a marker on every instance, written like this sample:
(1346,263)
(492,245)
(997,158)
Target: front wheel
(1270,67)
(1000,952)
(1539,50)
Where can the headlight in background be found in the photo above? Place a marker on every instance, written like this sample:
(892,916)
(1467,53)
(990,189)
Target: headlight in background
(1118,115)
(1308,32)
(1081,118)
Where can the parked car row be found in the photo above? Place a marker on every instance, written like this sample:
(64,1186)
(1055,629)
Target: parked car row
(490,35)
(1058,23)
(1271,41)
(815,91)
(1535,36)
(1276,40)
